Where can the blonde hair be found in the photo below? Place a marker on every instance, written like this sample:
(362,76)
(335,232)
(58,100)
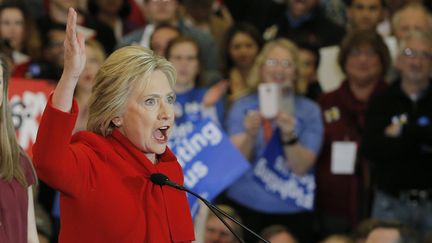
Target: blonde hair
(126,69)
(10,167)
(255,74)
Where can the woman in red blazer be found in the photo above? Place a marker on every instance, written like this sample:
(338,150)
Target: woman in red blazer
(103,173)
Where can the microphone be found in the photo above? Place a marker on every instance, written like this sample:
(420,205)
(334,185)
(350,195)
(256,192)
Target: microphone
(162,180)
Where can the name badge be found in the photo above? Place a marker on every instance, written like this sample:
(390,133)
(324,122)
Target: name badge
(343,157)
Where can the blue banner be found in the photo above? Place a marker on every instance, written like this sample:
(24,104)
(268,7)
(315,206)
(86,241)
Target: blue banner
(209,160)
(272,172)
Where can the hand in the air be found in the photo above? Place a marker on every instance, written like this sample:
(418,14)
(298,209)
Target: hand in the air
(74,48)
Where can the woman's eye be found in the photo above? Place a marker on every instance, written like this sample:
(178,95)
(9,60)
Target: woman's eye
(171,99)
(150,102)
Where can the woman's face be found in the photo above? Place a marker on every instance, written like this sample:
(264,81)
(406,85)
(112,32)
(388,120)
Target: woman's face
(363,65)
(149,115)
(12,27)
(54,52)
(91,67)
(243,50)
(184,57)
(160,11)
(278,67)
(160,39)
(308,70)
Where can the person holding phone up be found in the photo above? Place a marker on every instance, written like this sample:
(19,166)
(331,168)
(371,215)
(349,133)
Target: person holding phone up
(297,128)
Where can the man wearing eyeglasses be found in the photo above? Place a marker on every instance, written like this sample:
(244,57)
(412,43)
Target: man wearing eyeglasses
(398,138)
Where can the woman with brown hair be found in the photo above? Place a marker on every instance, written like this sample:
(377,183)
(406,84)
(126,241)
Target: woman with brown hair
(18,31)
(17,221)
(342,194)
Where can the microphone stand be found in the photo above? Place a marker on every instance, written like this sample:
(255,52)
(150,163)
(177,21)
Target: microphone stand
(161,179)
(221,219)
(213,207)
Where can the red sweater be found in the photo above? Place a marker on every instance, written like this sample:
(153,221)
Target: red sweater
(106,194)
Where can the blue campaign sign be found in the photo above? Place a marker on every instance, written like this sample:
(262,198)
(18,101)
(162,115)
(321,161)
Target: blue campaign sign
(209,160)
(271,171)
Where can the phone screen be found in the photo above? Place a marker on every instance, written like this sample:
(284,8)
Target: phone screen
(287,101)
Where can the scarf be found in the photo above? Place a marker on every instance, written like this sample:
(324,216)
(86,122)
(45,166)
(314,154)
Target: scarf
(166,210)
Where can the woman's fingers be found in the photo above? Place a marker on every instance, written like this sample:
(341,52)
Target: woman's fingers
(214,93)
(71,26)
(74,47)
(81,41)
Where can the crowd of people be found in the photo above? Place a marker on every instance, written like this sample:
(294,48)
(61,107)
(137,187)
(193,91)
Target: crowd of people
(345,159)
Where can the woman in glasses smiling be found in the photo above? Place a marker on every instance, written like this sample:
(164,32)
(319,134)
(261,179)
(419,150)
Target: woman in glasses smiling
(293,136)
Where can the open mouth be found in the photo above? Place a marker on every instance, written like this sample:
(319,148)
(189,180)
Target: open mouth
(161,134)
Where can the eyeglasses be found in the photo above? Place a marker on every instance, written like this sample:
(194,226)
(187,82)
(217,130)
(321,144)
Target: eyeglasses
(282,63)
(408,52)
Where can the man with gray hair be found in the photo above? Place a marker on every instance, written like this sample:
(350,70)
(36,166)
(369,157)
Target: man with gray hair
(398,138)
(414,16)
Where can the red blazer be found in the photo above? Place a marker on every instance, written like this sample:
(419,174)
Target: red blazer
(106,194)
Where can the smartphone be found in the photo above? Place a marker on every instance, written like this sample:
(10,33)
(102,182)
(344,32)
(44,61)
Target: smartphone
(287,100)
(269,97)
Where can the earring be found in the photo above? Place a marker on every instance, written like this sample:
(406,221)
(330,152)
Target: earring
(116,121)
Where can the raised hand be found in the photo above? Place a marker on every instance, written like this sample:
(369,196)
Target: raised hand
(215,93)
(74,62)
(74,48)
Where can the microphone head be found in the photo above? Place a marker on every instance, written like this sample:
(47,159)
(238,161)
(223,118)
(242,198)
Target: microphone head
(159,179)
